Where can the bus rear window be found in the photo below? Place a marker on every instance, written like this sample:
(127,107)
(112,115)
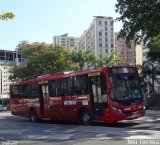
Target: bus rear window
(20,91)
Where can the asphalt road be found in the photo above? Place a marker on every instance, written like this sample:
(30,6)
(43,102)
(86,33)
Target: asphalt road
(20,131)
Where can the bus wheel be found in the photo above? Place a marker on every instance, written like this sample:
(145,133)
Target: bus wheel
(84,118)
(33,116)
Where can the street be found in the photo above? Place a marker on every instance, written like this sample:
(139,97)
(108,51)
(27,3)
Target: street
(17,130)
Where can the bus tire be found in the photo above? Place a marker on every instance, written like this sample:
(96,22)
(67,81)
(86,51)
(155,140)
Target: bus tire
(84,118)
(33,116)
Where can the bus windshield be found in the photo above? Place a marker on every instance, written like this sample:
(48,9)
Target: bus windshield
(126,87)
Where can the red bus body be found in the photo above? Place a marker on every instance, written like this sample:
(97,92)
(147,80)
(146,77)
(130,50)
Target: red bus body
(65,96)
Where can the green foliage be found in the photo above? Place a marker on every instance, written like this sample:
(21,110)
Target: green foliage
(83,58)
(42,59)
(139,17)
(87,59)
(154,49)
(107,59)
(6,16)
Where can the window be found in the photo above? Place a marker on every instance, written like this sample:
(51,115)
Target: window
(34,90)
(80,85)
(100,44)
(112,40)
(76,85)
(105,22)
(100,33)
(65,87)
(100,22)
(112,45)
(20,91)
(99,89)
(54,87)
(103,83)
(23,91)
(100,39)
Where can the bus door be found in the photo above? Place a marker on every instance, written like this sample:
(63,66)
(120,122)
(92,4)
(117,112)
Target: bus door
(44,102)
(97,87)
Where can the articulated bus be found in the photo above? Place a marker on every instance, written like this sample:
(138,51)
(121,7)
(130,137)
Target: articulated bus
(107,94)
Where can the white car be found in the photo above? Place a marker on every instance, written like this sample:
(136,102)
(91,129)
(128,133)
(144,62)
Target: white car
(3,108)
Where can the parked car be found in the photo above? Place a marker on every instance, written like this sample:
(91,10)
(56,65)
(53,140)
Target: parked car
(3,108)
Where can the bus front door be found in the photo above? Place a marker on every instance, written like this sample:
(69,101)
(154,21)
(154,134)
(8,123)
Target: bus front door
(98,96)
(45,101)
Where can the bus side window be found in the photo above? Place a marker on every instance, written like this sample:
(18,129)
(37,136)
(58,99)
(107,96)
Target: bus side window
(58,89)
(70,85)
(103,88)
(80,85)
(52,88)
(34,90)
(103,83)
(23,91)
(65,87)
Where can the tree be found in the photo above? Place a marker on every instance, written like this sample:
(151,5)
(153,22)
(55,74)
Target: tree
(6,16)
(154,49)
(87,59)
(41,59)
(83,59)
(140,18)
(78,57)
(107,59)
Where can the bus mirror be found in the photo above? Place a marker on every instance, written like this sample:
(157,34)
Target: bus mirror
(109,86)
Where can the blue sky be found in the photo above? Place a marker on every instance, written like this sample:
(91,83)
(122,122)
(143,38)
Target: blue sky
(40,20)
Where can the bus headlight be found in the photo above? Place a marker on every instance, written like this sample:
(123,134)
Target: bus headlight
(117,109)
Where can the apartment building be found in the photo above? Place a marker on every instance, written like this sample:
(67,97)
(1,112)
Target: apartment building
(99,37)
(65,41)
(8,59)
(127,55)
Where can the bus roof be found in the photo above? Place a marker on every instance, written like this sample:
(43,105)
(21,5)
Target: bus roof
(57,76)
(63,75)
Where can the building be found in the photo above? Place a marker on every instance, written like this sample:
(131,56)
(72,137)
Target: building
(124,53)
(8,59)
(65,41)
(99,37)
(139,55)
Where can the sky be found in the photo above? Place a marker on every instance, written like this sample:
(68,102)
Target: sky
(40,20)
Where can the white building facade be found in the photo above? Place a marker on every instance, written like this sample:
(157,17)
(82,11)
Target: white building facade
(4,80)
(99,37)
(65,41)
(8,60)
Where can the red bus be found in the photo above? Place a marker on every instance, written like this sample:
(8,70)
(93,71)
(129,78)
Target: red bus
(108,94)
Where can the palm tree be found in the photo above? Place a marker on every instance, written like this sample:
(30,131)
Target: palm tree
(79,58)
(84,59)
(87,59)
(107,59)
